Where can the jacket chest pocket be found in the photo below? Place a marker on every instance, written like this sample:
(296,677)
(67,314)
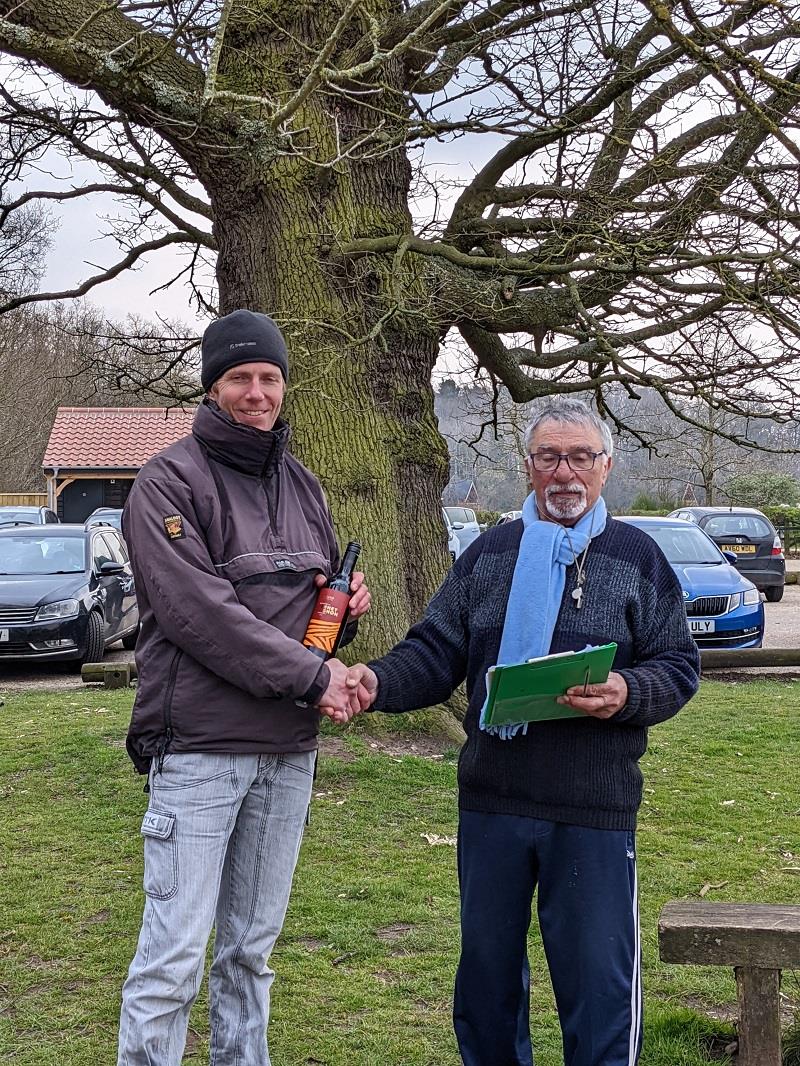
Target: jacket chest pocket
(272,565)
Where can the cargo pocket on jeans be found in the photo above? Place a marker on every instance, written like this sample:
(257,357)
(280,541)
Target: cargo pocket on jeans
(160,854)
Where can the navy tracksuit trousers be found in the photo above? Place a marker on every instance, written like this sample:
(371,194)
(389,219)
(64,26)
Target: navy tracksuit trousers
(588,918)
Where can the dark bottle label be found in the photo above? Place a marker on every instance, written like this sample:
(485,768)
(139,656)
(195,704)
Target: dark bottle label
(327,620)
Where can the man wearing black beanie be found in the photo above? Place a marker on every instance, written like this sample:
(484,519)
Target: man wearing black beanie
(230,538)
(241,337)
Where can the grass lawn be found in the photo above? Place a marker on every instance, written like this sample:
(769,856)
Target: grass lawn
(366,960)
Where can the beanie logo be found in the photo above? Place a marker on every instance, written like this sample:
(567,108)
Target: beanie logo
(243,344)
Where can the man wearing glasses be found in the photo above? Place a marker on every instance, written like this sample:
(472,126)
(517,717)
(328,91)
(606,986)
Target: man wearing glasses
(551,808)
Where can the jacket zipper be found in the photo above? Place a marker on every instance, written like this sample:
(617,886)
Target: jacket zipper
(272,498)
(164,744)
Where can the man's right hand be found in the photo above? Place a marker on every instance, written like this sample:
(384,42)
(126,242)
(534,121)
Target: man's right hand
(366,682)
(349,691)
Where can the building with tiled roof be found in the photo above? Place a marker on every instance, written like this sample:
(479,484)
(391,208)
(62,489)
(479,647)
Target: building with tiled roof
(94,453)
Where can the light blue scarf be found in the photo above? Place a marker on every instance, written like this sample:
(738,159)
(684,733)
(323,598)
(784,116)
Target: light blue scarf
(545,552)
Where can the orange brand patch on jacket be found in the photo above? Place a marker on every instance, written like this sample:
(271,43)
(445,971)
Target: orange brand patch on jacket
(173,524)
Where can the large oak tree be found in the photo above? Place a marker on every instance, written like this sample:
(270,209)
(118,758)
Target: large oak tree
(580,190)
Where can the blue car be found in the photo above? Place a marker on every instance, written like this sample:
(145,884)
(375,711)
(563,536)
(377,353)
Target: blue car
(724,609)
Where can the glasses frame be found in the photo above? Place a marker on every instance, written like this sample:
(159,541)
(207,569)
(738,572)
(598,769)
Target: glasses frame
(565,456)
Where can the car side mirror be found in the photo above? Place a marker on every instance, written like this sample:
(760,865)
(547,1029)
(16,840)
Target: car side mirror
(110,566)
(458,525)
(732,557)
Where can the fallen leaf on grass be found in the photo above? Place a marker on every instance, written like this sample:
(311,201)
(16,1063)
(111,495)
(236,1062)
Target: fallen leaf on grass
(707,887)
(434,839)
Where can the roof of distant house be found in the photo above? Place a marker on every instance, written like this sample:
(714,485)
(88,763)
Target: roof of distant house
(460,491)
(113,438)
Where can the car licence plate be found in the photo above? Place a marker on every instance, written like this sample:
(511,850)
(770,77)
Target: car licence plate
(740,549)
(3,634)
(701,625)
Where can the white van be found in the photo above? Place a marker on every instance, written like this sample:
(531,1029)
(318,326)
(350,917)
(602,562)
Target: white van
(465,524)
(453,543)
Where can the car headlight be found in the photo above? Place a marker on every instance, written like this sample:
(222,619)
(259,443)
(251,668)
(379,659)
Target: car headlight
(751,596)
(735,600)
(59,609)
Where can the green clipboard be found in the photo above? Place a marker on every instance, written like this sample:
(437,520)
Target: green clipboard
(527,692)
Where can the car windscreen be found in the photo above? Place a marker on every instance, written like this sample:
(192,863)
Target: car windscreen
(689,546)
(9,517)
(461,514)
(738,525)
(42,555)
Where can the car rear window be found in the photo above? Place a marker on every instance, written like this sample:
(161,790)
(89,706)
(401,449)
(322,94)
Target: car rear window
(738,525)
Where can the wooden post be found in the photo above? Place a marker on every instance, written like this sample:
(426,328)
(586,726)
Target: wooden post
(117,676)
(745,658)
(113,675)
(759,1016)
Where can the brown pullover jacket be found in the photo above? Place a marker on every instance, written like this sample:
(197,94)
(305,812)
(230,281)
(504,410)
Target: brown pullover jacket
(226,532)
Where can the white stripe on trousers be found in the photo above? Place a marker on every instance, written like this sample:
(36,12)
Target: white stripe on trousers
(636,984)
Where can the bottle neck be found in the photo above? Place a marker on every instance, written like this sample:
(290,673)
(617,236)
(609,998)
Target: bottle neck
(351,554)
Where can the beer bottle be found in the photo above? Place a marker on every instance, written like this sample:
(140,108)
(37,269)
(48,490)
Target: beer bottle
(332,608)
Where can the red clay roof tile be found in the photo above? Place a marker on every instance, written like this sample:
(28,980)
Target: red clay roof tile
(113,438)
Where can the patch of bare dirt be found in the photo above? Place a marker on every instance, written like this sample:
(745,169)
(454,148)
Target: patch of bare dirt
(421,746)
(725,1013)
(310,943)
(395,931)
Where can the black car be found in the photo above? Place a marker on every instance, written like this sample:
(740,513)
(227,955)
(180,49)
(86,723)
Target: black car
(106,516)
(65,593)
(25,515)
(750,536)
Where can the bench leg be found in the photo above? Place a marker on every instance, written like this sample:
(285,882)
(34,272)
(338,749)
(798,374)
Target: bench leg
(759,1016)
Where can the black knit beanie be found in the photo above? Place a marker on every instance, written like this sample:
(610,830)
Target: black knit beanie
(241,337)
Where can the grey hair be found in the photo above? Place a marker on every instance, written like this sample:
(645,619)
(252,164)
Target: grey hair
(574,412)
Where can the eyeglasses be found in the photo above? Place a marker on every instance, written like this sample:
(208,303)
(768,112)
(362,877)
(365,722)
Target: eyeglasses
(581,459)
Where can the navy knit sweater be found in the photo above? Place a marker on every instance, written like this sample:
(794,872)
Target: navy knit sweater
(583,771)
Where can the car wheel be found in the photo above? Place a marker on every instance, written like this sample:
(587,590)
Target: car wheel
(774,593)
(129,640)
(95,645)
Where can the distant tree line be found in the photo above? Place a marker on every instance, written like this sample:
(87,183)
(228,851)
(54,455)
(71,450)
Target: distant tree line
(690,460)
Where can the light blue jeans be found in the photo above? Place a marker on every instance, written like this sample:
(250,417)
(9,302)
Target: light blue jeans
(221,839)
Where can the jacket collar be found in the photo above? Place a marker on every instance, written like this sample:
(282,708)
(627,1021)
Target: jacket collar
(257,452)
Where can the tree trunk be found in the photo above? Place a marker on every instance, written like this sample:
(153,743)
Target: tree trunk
(362,346)
(360,407)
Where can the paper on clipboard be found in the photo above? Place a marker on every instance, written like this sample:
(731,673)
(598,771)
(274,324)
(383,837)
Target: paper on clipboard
(527,692)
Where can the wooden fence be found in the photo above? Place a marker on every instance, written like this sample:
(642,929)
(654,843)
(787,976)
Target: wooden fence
(34,499)
(789,532)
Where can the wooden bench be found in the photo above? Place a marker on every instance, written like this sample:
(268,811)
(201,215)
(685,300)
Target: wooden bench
(113,675)
(758,940)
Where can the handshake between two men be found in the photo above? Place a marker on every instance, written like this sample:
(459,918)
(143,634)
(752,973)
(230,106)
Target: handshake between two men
(350,691)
